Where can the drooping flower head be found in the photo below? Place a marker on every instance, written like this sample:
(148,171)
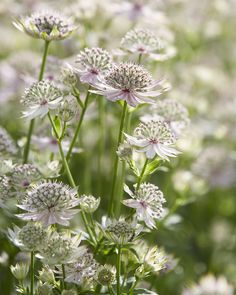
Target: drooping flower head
(129,82)
(61,248)
(23,175)
(154,138)
(84,270)
(7,145)
(50,203)
(147,200)
(40,98)
(172,112)
(46,25)
(210,285)
(93,63)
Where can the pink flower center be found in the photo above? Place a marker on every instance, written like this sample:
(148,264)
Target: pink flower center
(153,141)
(43,102)
(126,91)
(94,71)
(143,204)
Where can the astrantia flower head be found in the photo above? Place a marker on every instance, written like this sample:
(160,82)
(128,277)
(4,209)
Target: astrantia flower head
(5,190)
(61,248)
(30,237)
(172,112)
(120,231)
(154,138)
(40,98)
(89,203)
(50,203)
(23,175)
(20,271)
(84,270)
(106,275)
(147,200)
(92,64)
(129,82)
(46,25)
(210,285)
(7,145)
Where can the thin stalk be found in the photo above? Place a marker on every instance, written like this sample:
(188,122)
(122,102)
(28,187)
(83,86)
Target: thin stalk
(118,270)
(142,174)
(32,273)
(140,58)
(63,277)
(110,290)
(101,142)
(31,126)
(78,126)
(77,96)
(132,287)
(69,176)
(115,173)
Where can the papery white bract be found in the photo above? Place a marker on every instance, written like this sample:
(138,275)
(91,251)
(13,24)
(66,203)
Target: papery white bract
(147,200)
(129,82)
(50,203)
(154,138)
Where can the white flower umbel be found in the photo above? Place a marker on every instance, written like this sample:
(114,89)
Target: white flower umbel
(61,248)
(172,112)
(40,98)
(7,145)
(93,63)
(147,200)
(129,82)
(84,270)
(106,275)
(46,25)
(210,285)
(154,138)
(50,203)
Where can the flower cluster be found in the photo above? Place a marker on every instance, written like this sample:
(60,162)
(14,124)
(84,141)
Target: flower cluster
(7,145)
(5,190)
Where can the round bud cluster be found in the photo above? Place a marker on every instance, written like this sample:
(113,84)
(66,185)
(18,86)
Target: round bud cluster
(7,145)
(68,110)
(89,203)
(68,76)
(40,93)
(124,151)
(46,25)
(105,275)
(120,232)
(23,175)
(5,189)
(141,41)
(155,132)
(32,236)
(129,77)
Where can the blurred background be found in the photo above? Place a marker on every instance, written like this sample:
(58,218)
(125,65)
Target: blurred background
(202,232)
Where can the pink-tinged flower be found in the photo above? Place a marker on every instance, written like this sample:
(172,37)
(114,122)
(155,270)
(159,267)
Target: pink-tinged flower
(50,203)
(154,138)
(92,64)
(147,200)
(40,98)
(129,82)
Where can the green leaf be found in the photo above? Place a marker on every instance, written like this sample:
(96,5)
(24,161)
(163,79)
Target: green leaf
(58,126)
(144,292)
(152,167)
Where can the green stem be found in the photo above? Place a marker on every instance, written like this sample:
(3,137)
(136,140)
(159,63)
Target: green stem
(77,96)
(115,173)
(140,58)
(32,273)
(142,174)
(69,175)
(118,270)
(78,126)
(101,141)
(132,287)
(63,277)
(110,290)
(31,126)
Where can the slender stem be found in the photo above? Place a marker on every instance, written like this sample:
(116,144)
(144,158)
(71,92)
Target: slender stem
(32,273)
(140,58)
(115,173)
(69,175)
(132,287)
(31,126)
(110,290)
(77,96)
(63,277)
(142,174)
(78,126)
(101,140)
(118,270)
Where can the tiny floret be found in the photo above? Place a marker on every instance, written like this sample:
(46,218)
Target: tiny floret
(40,98)
(93,63)
(154,138)
(129,82)
(89,203)
(50,203)
(47,25)
(148,201)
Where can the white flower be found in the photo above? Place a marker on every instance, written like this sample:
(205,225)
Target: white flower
(129,82)
(40,98)
(154,138)
(147,201)
(210,285)
(7,145)
(5,190)
(92,64)
(49,203)
(89,203)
